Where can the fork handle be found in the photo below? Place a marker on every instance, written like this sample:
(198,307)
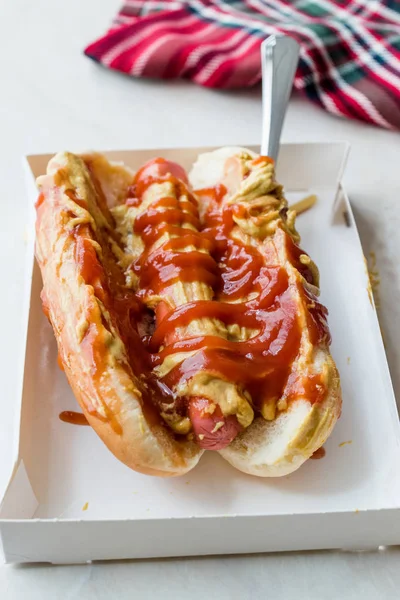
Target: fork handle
(279,58)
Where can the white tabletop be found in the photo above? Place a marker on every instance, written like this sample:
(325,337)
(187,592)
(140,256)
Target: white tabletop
(54,98)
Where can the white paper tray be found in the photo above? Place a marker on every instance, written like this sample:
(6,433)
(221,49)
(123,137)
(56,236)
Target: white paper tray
(349,499)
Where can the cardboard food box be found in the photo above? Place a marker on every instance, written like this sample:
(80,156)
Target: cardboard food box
(69,500)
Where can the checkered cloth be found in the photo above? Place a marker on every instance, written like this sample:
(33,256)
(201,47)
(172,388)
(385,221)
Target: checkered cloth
(349,60)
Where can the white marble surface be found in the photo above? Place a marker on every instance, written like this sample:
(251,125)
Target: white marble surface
(54,98)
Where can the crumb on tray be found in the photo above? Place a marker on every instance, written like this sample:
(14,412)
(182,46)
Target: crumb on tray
(304,204)
(373,279)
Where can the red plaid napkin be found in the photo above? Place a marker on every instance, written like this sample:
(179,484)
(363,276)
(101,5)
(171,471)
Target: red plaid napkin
(349,60)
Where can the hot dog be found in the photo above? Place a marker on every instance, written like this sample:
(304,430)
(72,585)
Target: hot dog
(186,320)
(173,267)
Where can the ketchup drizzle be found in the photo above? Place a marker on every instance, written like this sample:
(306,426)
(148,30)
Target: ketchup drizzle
(251,290)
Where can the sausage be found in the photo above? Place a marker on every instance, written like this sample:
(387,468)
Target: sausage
(212,430)
(159,167)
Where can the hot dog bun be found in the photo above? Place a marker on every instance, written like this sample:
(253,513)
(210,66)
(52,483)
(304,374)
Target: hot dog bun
(277,447)
(73,218)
